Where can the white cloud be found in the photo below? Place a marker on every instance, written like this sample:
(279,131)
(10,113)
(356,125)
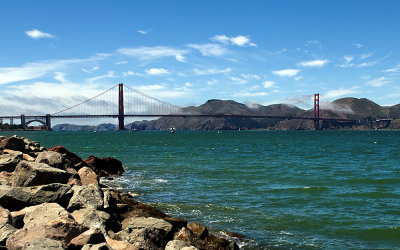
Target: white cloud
(239,80)
(393,70)
(250,94)
(59,76)
(37,34)
(378,82)
(251,76)
(142,32)
(212,82)
(314,63)
(150,53)
(155,71)
(209,49)
(358,45)
(268,84)
(340,92)
(211,71)
(286,72)
(110,74)
(238,40)
(365,56)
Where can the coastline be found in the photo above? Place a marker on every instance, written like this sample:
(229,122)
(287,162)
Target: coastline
(54,198)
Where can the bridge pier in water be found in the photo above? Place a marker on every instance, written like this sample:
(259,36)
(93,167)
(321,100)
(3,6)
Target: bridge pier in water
(316,111)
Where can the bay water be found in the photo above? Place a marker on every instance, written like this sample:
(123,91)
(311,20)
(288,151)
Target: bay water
(280,189)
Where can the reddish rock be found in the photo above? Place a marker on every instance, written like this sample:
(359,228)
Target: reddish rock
(105,166)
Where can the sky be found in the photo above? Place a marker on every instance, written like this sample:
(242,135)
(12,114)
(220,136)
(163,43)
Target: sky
(54,54)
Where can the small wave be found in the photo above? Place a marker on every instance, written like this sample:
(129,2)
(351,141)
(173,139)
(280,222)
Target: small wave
(161,181)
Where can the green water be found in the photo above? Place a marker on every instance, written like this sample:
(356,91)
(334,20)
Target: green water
(281,189)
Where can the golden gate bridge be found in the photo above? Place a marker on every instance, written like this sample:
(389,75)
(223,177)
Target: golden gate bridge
(123,101)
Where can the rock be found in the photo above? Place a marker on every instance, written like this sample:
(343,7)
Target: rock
(86,196)
(6,178)
(56,192)
(35,174)
(45,244)
(101,246)
(179,245)
(185,235)
(149,222)
(213,242)
(198,230)
(120,244)
(14,198)
(8,162)
(91,236)
(5,216)
(177,223)
(53,159)
(17,218)
(143,238)
(27,157)
(43,213)
(5,231)
(61,229)
(105,166)
(13,143)
(73,158)
(88,176)
(89,217)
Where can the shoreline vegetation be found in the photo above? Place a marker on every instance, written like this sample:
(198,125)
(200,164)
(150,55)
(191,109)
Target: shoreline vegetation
(54,199)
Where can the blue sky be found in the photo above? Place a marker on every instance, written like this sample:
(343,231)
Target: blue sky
(55,53)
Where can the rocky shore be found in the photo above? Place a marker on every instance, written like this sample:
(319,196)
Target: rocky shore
(52,199)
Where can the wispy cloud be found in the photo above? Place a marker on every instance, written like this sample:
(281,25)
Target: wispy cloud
(340,92)
(365,56)
(149,53)
(239,80)
(378,82)
(142,32)
(235,40)
(212,71)
(210,49)
(348,62)
(60,76)
(157,71)
(358,45)
(37,34)
(110,74)
(251,76)
(314,63)
(393,70)
(268,84)
(286,72)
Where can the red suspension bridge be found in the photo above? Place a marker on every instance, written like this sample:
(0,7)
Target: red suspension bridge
(122,101)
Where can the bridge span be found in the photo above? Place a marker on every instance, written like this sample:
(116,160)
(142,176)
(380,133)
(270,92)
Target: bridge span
(142,105)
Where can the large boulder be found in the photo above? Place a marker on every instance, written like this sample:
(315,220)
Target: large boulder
(67,154)
(86,196)
(35,174)
(90,217)
(14,198)
(45,244)
(88,176)
(54,159)
(105,166)
(91,236)
(5,231)
(143,238)
(43,213)
(8,162)
(149,222)
(55,192)
(62,229)
(179,245)
(13,143)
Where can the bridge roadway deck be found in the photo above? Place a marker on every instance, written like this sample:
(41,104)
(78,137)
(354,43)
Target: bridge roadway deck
(184,116)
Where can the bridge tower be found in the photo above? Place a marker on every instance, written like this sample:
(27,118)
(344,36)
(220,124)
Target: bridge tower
(48,122)
(121,115)
(23,121)
(316,111)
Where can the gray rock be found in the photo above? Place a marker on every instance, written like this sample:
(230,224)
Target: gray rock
(89,217)
(91,236)
(54,159)
(13,143)
(43,213)
(45,244)
(8,162)
(55,192)
(101,246)
(86,196)
(5,231)
(14,198)
(62,229)
(35,174)
(179,245)
(143,238)
(149,222)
